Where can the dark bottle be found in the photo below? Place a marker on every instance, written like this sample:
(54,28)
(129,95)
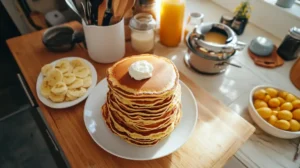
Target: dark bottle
(239,25)
(227,19)
(289,49)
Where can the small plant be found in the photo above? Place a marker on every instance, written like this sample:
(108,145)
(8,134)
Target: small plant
(243,10)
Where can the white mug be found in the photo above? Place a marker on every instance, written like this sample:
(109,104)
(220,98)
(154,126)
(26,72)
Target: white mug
(105,44)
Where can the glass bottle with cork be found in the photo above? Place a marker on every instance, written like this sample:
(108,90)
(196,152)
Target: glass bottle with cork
(171,22)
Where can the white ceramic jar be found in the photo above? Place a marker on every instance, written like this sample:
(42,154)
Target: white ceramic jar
(105,44)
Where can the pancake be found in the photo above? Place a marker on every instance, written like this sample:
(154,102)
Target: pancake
(147,139)
(164,76)
(143,112)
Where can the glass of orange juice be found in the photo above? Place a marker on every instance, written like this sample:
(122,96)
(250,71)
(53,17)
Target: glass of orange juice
(171,22)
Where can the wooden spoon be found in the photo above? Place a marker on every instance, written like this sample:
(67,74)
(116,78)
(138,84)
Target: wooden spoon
(115,5)
(121,9)
(124,7)
(128,8)
(101,12)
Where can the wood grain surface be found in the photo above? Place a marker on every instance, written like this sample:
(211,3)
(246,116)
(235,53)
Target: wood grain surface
(218,135)
(295,74)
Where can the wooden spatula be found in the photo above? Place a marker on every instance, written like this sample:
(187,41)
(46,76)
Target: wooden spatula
(101,12)
(121,9)
(115,5)
(295,74)
(125,7)
(128,8)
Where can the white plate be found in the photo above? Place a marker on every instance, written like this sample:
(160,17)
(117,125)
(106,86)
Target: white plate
(115,145)
(51,104)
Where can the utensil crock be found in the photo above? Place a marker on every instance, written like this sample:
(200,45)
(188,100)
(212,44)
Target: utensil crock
(105,44)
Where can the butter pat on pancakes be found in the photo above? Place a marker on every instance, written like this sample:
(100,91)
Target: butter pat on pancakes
(140,70)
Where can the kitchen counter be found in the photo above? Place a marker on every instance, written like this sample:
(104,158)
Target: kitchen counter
(217,127)
(233,88)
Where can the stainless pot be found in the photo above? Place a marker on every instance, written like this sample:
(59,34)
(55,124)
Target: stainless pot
(207,57)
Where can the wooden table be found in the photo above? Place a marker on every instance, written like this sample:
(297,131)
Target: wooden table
(218,135)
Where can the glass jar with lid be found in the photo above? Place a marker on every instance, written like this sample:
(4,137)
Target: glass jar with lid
(142,27)
(289,49)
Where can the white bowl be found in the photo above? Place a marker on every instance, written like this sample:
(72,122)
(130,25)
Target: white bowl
(264,125)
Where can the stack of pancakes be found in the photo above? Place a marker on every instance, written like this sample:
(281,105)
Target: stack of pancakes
(143,112)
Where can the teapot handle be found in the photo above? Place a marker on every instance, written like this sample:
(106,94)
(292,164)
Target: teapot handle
(195,34)
(239,46)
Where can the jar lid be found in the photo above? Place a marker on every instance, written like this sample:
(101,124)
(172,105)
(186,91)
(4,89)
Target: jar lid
(142,21)
(197,15)
(295,32)
(228,17)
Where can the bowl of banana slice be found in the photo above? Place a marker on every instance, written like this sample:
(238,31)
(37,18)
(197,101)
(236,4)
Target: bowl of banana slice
(66,82)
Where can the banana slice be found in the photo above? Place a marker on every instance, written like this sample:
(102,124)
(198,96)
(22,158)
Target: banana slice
(64,66)
(87,82)
(70,70)
(57,98)
(45,88)
(77,62)
(69,78)
(81,71)
(54,76)
(76,84)
(46,68)
(70,98)
(76,93)
(59,88)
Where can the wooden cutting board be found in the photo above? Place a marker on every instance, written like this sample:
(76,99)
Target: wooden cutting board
(272,61)
(219,132)
(295,74)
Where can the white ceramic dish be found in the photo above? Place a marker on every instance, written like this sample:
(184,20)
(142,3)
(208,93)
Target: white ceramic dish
(264,125)
(51,104)
(261,46)
(113,144)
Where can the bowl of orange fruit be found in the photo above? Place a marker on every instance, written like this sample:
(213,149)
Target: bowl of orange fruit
(275,111)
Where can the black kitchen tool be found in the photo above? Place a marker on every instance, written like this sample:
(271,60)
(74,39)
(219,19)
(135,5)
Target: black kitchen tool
(94,11)
(89,11)
(108,13)
(61,38)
